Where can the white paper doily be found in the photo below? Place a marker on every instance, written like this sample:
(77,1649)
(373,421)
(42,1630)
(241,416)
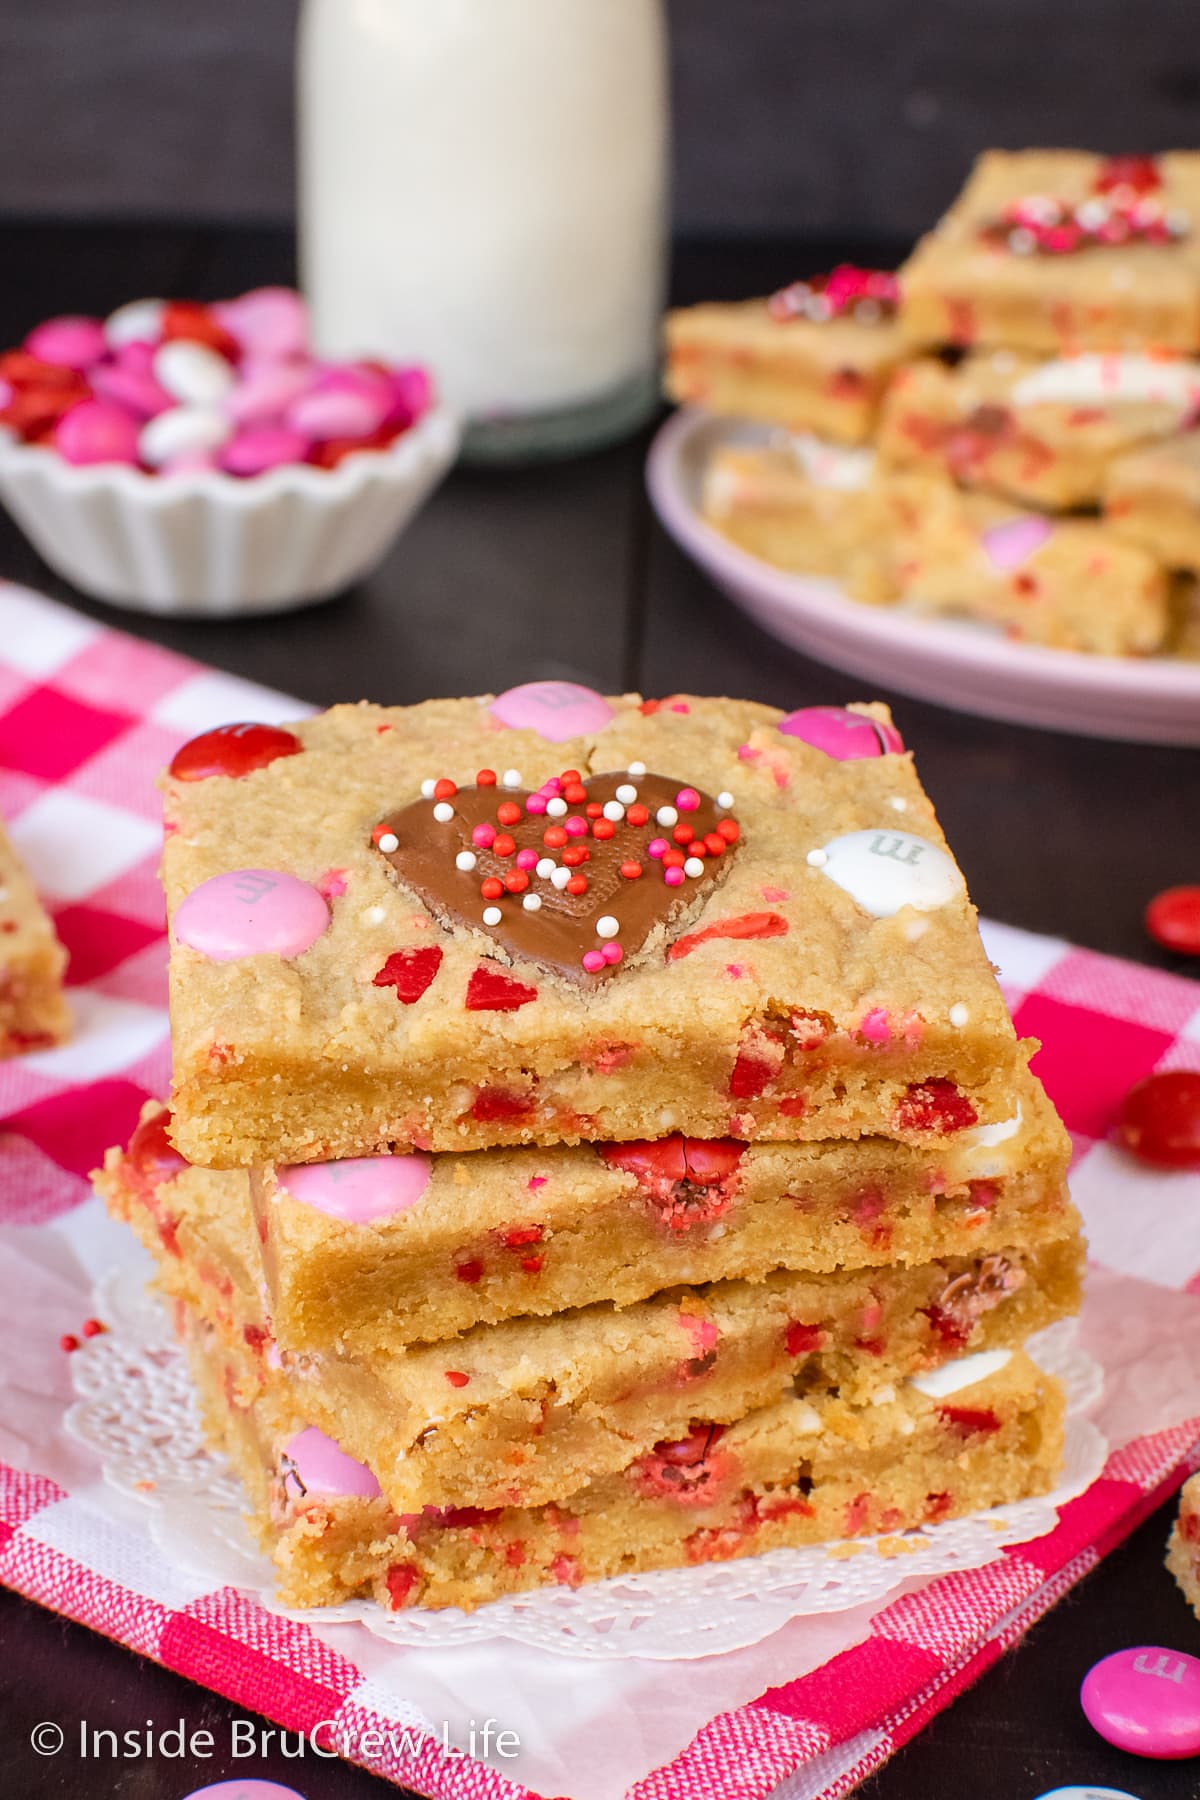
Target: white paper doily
(136,1411)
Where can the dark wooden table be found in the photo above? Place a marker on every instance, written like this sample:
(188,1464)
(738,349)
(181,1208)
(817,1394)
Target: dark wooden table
(560,571)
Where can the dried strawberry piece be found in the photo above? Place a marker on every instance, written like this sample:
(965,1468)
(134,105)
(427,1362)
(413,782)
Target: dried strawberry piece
(151,1156)
(746,925)
(469,1271)
(755,1067)
(800,1339)
(490,989)
(410,972)
(500,1103)
(401,1581)
(567,1571)
(686,1470)
(969,1421)
(1140,174)
(935,1105)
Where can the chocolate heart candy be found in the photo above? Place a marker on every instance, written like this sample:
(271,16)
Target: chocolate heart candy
(575,877)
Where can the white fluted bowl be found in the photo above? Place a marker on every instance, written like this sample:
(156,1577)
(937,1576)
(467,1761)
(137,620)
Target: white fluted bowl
(206,545)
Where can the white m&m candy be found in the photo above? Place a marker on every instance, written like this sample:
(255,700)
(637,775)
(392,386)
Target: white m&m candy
(885,870)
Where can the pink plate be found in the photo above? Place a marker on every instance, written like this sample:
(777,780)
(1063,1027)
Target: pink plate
(1143,700)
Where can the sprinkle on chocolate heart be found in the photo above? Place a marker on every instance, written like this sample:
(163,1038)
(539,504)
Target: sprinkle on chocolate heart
(575,877)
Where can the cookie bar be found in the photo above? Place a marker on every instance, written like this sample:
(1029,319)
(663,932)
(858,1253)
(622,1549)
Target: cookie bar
(1069,583)
(1183,1548)
(531,1410)
(1045,433)
(799,1472)
(808,507)
(33,1012)
(1059,250)
(378,942)
(816,356)
(390,1251)
(1152,498)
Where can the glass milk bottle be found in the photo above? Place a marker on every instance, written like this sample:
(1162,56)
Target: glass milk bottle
(483,188)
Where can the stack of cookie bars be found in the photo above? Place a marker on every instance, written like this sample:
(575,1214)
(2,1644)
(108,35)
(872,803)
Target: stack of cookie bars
(606,1144)
(1005,430)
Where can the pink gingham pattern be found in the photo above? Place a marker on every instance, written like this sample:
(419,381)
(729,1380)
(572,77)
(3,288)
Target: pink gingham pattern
(87,717)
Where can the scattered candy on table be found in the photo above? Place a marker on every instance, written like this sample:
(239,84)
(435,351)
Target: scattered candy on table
(1160,1119)
(1173,920)
(1145,1700)
(173,386)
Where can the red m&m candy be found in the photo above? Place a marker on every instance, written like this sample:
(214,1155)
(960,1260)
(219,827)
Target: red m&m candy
(1160,1119)
(233,750)
(1173,920)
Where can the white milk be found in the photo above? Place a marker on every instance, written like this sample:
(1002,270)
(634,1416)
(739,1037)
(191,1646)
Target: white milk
(483,187)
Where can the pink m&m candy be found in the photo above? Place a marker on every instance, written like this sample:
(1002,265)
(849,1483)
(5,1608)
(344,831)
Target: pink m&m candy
(268,321)
(257,448)
(1146,1700)
(266,390)
(361,1188)
(73,341)
(96,431)
(251,912)
(556,710)
(128,380)
(844,735)
(1008,546)
(350,402)
(324,1469)
(244,1787)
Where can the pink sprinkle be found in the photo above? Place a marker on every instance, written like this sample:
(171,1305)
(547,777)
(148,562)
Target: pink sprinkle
(747,753)
(552,788)
(537,1181)
(527,858)
(536,804)
(774,893)
(484,836)
(735,971)
(332,883)
(687,799)
(575,826)
(680,706)
(657,847)
(593,961)
(673,876)
(612,952)
(876,1026)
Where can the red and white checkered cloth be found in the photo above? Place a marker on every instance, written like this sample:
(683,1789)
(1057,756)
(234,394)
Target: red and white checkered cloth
(87,717)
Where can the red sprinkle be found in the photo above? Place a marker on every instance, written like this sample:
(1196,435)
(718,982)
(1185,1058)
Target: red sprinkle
(508,812)
(631,870)
(637,814)
(516,881)
(578,853)
(746,925)
(456,1378)
(503,844)
(574,792)
(410,972)
(492,888)
(578,884)
(445,789)
(93,1328)
(554,837)
(714,843)
(594,809)
(603,828)
(490,989)
(486,778)
(68,1343)
(730,830)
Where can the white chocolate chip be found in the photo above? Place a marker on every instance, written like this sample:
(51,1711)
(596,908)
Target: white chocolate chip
(725,799)
(915,929)
(443,812)
(465,860)
(816,859)
(511,778)
(626,793)
(898,803)
(694,866)
(492,915)
(607,927)
(374,915)
(958,1014)
(883,1396)
(532,902)
(637,768)
(427,787)
(560,878)
(388,841)
(667,815)
(556,808)
(614,810)
(546,867)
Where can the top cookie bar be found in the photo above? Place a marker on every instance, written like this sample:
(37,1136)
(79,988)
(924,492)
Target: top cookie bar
(551,917)
(1053,250)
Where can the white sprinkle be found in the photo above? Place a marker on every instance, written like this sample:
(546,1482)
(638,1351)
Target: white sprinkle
(816,859)
(725,799)
(607,926)
(666,815)
(959,1014)
(374,915)
(637,768)
(556,808)
(614,810)
(511,778)
(532,902)
(427,787)
(443,812)
(465,860)
(626,793)
(560,878)
(693,866)
(898,803)
(492,915)
(389,842)
(546,867)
